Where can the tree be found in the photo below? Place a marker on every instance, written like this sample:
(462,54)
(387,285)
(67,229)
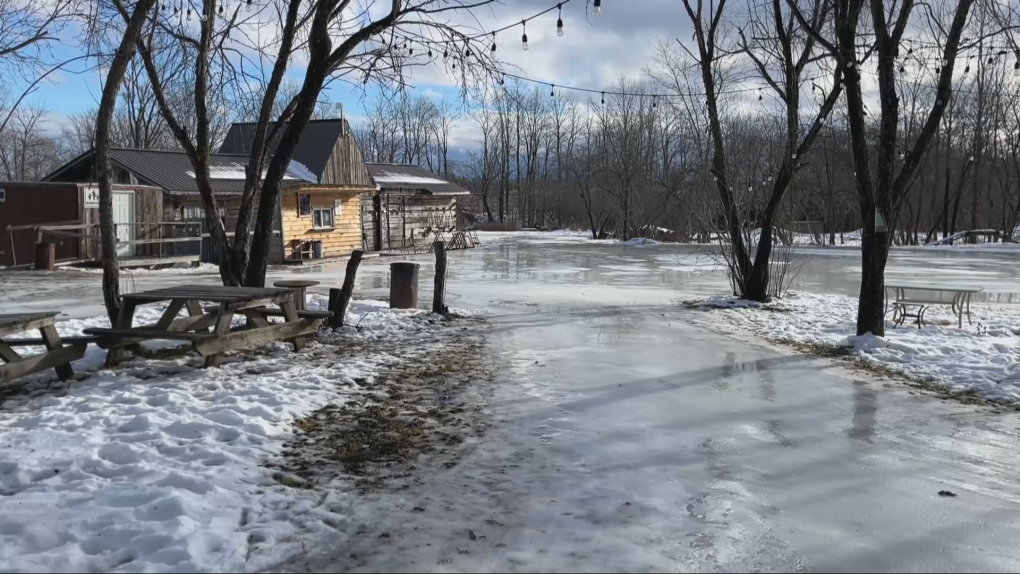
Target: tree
(104,168)
(881,192)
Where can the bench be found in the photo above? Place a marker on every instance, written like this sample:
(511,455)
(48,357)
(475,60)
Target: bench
(39,342)
(909,296)
(58,355)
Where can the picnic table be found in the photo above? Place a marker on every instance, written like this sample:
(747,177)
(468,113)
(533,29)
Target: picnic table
(908,295)
(208,328)
(298,286)
(57,356)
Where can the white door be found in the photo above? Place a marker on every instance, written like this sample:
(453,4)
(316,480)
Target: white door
(124,212)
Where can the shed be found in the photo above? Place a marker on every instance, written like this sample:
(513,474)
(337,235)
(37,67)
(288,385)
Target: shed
(411,206)
(64,213)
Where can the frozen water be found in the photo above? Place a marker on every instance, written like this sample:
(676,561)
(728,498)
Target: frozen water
(625,435)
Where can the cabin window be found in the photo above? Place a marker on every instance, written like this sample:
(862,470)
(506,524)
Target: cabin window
(323,218)
(304,204)
(338,206)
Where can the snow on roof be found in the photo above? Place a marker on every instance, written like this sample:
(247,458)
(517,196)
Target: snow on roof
(235,171)
(403,178)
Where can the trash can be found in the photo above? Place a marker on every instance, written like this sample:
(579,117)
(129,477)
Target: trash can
(403,285)
(45,257)
(317,249)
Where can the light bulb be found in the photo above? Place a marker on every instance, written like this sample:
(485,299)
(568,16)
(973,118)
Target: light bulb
(597,8)
(524,41)
(446,56)
(559,27)
(248,7)
(189,15)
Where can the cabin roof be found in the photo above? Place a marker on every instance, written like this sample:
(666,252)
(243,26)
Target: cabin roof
(394,176)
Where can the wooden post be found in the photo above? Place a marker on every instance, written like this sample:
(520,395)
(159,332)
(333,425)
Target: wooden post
(439,294)
(343,298)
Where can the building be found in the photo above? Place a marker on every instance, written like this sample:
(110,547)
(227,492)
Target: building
(32,211)
(411,208)
(326,211)
(319,210)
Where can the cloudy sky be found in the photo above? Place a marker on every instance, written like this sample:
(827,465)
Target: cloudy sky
(593,52)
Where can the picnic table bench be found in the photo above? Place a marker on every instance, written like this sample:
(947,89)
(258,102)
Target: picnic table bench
(922,296)
(58,356)
(208,329)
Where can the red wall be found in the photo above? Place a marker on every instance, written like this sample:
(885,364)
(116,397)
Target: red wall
(30,203)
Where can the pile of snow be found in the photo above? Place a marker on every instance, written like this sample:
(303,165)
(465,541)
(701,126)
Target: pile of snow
(155,465)
(982,358)
(639,241)
(176,269)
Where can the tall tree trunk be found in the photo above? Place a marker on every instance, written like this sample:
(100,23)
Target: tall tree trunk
(104,168)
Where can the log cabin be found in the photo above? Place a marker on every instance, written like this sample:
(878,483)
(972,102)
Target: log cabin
(318,215)
(412,207)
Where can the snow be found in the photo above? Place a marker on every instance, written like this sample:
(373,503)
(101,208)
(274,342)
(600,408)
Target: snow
(413,179)
(156,466)
(638,241)
(979,359)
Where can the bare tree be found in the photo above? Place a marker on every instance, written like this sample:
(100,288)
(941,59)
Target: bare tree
(881,192)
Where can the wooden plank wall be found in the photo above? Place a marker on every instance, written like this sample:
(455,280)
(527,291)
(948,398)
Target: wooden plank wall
(148,209)
(369,241)
(407,216)
(340,241)
(346,165)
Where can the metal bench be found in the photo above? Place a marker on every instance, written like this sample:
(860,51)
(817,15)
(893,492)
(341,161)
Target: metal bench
(912,300)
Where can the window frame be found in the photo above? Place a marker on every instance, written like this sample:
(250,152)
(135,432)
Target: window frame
(315,213)
(304,200)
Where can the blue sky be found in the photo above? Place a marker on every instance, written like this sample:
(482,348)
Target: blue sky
(593,53)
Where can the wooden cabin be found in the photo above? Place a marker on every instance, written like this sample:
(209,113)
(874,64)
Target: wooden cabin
(411,208)
(319,209)
(320,217)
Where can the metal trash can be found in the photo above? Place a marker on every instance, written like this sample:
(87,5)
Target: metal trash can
(45,257)
(403,285)
(317,249)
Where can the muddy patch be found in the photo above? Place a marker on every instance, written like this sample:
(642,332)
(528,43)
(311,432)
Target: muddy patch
(424,408)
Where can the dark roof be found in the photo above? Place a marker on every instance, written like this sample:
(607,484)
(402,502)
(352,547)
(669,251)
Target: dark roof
(313,149)
(172,170)
(406,176)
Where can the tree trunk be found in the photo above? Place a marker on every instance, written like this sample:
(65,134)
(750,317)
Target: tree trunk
(104,169)
(339,307)
(871,300)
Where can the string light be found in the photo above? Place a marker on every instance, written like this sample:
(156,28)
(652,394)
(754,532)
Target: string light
(493,49)
(446,56)
(221,9)
(559,20)
(467,49)
(524,36)
(248,8)
(603,98)
(653,102)
(430,52)
(596,8)
(552,90)
(189,15)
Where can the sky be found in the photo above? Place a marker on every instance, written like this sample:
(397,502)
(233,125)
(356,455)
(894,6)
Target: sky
(594,52)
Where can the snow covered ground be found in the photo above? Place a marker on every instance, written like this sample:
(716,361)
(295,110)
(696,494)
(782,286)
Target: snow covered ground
(981,359)
(157,464)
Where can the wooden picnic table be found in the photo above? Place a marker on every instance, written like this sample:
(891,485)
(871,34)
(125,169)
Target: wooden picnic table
(57,356)
(298,286)
(908,294)
(208,329)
